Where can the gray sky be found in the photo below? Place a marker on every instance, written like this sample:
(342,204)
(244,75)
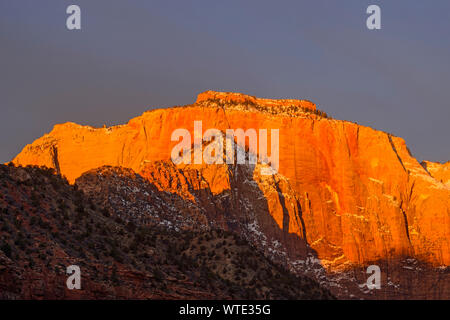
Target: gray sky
(131,56)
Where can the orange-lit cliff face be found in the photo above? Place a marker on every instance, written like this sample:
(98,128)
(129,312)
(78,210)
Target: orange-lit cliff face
(362,196)
(439,171)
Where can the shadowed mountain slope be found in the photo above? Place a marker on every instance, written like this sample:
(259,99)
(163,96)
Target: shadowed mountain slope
(47,225)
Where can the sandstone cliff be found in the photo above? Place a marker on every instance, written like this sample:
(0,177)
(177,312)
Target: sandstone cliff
(362,196)
(439,171)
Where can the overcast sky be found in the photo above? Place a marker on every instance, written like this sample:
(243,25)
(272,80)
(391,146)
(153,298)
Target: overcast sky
(134,55)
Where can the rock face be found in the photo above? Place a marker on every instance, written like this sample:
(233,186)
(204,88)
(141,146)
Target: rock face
(439,171)
(350,194)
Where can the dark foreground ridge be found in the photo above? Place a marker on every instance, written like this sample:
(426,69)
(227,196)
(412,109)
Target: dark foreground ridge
(46,225)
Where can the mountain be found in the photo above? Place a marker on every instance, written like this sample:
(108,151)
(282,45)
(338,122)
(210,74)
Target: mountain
(47,225)
(344,197)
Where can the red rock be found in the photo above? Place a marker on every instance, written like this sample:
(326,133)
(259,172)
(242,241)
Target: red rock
(362,195)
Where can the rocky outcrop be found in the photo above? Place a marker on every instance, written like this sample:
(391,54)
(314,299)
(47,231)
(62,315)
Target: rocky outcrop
(439,171)
(231,98)
(133,198)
